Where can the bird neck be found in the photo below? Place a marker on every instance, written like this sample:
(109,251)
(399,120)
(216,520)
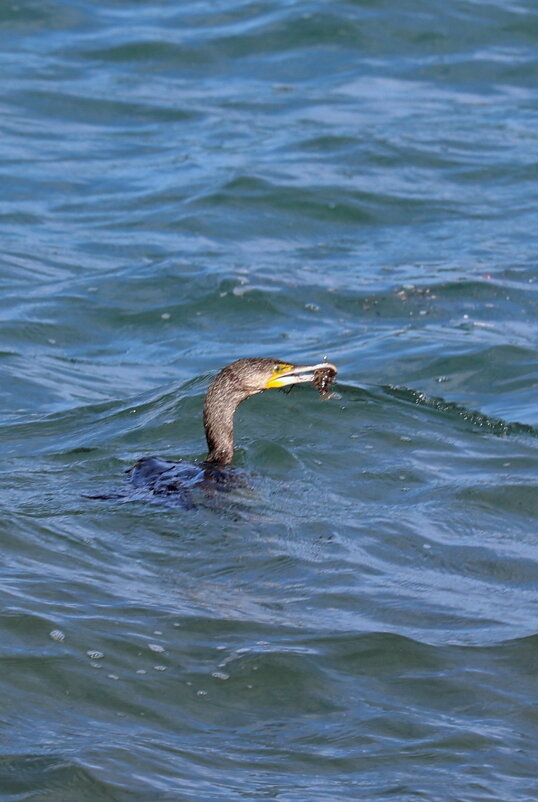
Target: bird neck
(221,401)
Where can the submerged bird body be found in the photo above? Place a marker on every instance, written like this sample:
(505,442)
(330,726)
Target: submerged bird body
(174,481)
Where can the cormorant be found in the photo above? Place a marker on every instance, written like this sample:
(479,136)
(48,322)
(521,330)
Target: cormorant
(233,384)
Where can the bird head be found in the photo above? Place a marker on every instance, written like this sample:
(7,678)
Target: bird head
(260,373)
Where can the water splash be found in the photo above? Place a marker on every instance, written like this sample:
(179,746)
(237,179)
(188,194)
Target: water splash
(497,426)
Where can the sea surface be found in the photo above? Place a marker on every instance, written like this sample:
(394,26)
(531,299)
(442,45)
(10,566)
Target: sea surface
(187,183)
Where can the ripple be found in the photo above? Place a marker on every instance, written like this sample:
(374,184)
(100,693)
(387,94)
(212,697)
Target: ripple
(186,185)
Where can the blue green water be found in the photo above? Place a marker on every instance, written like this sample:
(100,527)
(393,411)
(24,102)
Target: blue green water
(184,184)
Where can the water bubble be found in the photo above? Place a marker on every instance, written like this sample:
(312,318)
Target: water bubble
(57,635)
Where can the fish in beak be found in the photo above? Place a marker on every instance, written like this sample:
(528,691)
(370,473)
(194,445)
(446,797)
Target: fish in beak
(285,375)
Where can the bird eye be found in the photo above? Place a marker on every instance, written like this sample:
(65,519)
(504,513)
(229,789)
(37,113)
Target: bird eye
(277,368)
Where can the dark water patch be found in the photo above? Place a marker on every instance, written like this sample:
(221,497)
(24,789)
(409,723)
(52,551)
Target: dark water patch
(30,16)
(154,54)
(83,109)
(517,499)
(55,776)
(324,203)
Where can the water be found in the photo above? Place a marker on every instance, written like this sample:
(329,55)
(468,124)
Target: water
(184,184)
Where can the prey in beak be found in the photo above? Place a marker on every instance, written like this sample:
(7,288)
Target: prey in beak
(321,375)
